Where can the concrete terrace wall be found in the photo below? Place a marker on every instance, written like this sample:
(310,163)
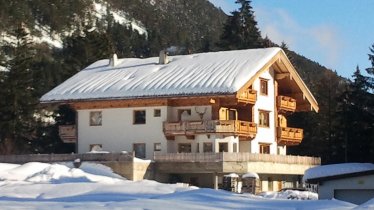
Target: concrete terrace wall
(123,164)
(233,162)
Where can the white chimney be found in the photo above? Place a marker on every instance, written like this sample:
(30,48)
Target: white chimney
(113,60)
(163,59)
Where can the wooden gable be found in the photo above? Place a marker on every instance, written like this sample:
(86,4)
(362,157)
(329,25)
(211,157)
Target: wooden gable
(289,79)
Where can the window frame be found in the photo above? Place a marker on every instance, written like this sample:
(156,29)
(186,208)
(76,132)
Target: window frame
(136,154)
(264,148)
(94,145)
(266,87)
(93,116)
(267,119)
(155,147)
(134,119)
(180,145)
(205,146)
(157,113)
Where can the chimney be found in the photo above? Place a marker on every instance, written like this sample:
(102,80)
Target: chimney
(163,59)
(113,61)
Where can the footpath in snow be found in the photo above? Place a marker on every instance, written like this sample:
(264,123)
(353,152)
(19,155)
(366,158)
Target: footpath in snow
(93,186)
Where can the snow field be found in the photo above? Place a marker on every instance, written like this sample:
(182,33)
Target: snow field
(60,186)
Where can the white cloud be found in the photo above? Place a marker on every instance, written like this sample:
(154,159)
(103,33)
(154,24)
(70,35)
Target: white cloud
(320,42)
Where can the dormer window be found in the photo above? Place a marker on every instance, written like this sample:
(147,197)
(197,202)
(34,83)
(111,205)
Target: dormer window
(263,87)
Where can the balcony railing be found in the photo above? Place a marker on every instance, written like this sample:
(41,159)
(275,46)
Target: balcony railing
(233,127)
(248,96)
(289,136)
(235,157)
(286,103)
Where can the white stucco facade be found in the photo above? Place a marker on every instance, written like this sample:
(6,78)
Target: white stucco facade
(119,133)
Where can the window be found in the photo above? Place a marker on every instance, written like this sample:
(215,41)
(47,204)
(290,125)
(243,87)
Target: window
(208,147)
(139,150)
(263,118)
(157,147)
(184,148)
(139,117)
(157,113)
(235,147)
(223,147)
(96,147)
(233,114)
(265,148)
(264,87)
(96,118)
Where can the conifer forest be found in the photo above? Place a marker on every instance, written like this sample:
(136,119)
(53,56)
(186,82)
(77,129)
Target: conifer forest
(44,42)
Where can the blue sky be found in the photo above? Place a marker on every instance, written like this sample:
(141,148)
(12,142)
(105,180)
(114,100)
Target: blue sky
(335,33)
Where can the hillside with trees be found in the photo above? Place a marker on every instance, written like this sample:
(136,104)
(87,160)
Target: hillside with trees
(42,43)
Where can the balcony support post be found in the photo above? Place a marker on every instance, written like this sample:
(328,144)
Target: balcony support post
(215,181)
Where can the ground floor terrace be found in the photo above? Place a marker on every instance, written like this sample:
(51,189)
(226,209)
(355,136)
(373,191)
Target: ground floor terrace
(198,169)
(208,169)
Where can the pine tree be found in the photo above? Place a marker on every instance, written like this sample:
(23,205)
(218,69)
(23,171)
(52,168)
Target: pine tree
(370,70)
(80,51)
(240,30)
(356,119)
(19,101)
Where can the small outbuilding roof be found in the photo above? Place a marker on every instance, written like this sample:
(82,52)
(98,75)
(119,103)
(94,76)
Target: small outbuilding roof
(337,171)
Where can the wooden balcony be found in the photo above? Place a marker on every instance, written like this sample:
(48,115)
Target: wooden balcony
(247,96)
(229,127)
(285,103)
(289,136)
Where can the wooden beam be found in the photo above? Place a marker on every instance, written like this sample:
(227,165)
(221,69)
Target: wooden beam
(281,75)
(146,102)
(300,83)
(101,104)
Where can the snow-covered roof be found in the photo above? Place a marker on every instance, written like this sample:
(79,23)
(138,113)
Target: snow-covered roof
(251,175)
(222,72)
(335,170)
(232,175)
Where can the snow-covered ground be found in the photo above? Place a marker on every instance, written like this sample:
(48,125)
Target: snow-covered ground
(92,186)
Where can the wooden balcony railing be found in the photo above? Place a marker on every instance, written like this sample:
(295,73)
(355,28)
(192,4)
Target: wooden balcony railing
(235,157)
(286,103)
(233,127)
(289,136)
(248,96)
